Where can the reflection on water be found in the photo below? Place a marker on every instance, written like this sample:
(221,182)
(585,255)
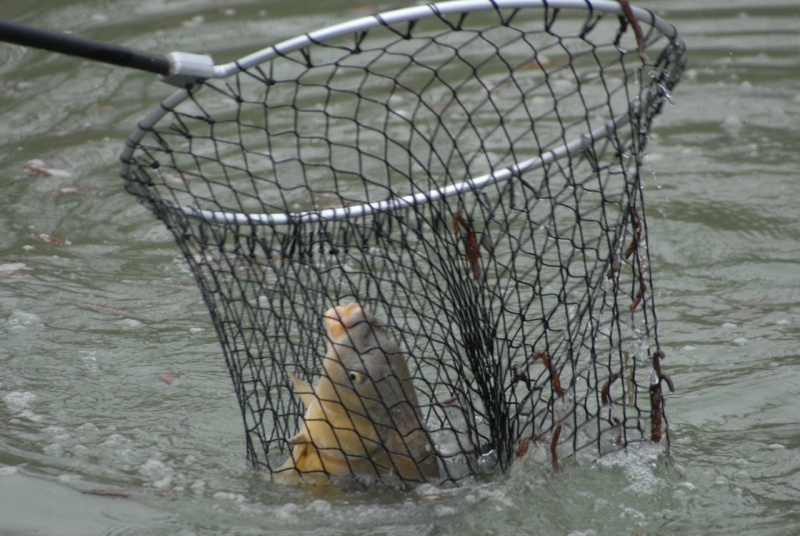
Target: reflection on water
(114,399)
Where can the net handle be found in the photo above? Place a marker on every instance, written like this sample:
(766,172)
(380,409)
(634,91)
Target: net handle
(183,69)
(179,69)
(386,19)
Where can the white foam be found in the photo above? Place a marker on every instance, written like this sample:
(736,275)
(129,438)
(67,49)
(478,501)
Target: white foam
(81,450)
(198,487)
(28,415)
(194,22)
(8,470)
(12,267)
(19,401)
(57,433)
(116,440)
(319,506)
(55,450)
(287,512)
(628,512)
(442,510)
(638,463)
(163,483)
(20,320)
(732,123)
(229,496)
(88,427)
(600,504)
(158,472)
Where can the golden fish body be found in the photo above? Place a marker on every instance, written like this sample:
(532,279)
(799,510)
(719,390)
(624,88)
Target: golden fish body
(363,415)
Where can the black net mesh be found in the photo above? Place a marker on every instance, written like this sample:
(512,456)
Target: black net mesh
(441,336)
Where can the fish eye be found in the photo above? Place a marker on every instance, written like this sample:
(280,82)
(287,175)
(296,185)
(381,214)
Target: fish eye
(356,377)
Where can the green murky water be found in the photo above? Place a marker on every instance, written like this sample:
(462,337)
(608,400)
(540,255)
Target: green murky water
(110,375)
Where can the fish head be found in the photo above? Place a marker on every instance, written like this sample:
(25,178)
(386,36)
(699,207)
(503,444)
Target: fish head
(364,364)
(362,416)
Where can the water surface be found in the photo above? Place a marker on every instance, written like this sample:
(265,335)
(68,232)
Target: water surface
(111,380)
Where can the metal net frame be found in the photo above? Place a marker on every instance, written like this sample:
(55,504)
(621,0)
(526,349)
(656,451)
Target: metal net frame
(467,172)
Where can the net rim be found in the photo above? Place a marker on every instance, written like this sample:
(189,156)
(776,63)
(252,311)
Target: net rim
(372,21)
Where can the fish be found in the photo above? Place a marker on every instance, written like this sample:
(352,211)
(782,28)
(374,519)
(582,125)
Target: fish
(363,416)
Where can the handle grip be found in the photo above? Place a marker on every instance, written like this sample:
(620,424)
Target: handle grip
(29,36)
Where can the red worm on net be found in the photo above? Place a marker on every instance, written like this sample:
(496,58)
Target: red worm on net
(637,29)
(553,443)
(639,295)
(554,377)
(523,446)
(463,230)
(637,237)
(656,397)
(655,412)
(657,357)
(452,400)
(604,394)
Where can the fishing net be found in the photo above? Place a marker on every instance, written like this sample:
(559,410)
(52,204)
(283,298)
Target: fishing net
(421,236)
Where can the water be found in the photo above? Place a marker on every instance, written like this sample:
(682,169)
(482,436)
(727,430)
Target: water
(116,411)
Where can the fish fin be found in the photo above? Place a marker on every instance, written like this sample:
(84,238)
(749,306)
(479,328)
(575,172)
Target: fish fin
(301,438)
(334,322)
(305,391)
(298,454)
